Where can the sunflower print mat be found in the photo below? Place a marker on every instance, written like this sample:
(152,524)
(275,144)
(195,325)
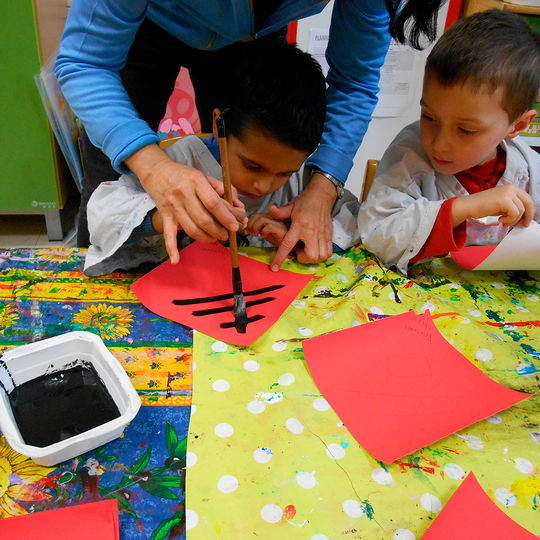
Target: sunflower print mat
(44,293)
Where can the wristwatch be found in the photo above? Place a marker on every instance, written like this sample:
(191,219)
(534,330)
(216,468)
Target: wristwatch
(339,185)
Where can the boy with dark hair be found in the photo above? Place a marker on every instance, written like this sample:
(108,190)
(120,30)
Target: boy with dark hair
(459,176)
(274,122)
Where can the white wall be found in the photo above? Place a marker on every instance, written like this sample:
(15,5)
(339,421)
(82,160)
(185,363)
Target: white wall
(381,131)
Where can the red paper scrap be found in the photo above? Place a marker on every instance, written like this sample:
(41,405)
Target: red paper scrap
(82,522)
(398,385)
(471,256)
(471,515)
(205,271)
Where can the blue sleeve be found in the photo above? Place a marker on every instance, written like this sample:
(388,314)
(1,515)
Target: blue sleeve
(359,41)
(94,47)
(213,146)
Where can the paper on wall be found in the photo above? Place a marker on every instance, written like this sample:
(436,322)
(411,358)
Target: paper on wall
(318,41)
(396,82)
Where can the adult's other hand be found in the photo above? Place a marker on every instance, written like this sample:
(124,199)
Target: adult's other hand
(311,223)
(186,198)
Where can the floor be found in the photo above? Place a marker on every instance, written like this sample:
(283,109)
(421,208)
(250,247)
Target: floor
(28,231)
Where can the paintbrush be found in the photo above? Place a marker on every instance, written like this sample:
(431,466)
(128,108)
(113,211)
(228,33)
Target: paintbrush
(240,314)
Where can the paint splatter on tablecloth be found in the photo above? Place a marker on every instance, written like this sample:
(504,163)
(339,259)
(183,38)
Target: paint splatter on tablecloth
(268,458)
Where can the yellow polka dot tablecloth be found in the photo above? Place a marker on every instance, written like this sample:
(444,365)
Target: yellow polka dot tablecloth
(268,458)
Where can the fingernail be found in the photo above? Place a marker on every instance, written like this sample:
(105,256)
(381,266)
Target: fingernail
(275,268)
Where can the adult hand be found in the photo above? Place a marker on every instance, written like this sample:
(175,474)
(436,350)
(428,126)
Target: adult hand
(311,223)
(186,199)
(511,203)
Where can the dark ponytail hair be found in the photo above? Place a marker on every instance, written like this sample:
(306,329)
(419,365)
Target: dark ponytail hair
(415,19)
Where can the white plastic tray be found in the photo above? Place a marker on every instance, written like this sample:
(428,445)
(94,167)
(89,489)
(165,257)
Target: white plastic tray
(28,362)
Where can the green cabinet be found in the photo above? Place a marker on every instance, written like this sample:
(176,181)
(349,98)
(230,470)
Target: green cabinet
(33,176)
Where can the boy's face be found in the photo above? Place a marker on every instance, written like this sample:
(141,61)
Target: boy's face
(259,163)
(461,127)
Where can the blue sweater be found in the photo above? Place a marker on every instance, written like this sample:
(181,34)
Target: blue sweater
(99,33)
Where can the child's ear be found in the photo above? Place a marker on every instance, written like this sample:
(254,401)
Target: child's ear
(216,113)
(521,124)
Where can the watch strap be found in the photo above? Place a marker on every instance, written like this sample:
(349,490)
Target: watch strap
(339,185)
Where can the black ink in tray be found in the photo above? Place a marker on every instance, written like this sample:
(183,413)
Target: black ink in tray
(59,405)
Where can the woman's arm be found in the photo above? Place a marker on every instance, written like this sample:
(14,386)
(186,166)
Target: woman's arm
(359,40)
(94,48)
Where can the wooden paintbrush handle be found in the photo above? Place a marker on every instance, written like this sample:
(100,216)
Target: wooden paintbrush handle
(233,245)
(233,248)
(225,169)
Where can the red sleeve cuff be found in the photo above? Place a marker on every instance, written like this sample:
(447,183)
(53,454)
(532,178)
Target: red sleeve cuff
(443,237)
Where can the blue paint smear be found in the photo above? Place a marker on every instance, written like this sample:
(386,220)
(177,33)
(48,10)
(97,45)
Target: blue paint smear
(515,335)
(526,369)
(529,350)
(494,315)
(368,509)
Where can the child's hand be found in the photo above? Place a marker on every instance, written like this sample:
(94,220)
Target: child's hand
(272,230)
(157,221)
(511,203)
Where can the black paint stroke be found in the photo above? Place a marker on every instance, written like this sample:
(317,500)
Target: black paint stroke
(207,299)
(203,312)
(233,323)
(389,281)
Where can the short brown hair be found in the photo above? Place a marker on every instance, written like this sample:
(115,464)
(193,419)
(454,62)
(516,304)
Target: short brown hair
(493,49)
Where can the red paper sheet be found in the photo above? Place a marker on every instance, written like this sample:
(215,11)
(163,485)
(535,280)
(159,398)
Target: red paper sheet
(204,270)
(398,385)
(471,515)
(471,256)
(82,522)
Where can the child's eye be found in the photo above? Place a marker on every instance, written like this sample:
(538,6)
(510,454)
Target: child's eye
(251,167)
(466,131)
(426,116)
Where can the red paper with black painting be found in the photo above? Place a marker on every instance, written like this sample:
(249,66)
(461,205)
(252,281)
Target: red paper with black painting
(197,292)
(399,386)
(471,515)
(82,522)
